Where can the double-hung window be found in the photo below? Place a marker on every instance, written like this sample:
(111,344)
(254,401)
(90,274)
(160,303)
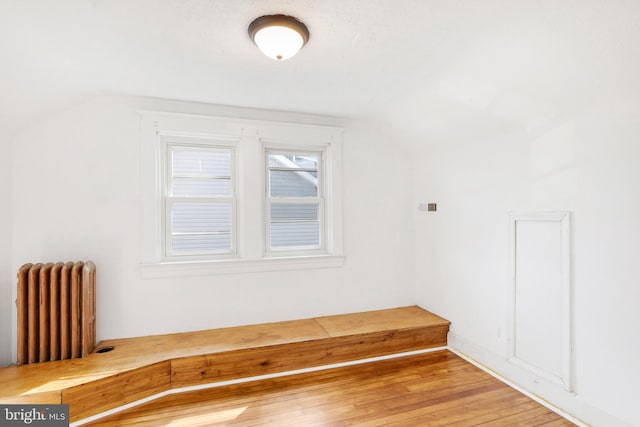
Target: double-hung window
(294,201)
(230,195)
(200,200)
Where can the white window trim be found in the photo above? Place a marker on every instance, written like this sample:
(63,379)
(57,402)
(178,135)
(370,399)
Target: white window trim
(251,137)
(270,147)
(212,143)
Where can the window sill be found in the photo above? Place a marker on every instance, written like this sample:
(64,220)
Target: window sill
(236,266)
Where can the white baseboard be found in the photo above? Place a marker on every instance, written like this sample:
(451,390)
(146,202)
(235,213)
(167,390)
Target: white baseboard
(568,404)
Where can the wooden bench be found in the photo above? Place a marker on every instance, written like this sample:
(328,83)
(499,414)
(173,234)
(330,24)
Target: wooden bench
(141,367)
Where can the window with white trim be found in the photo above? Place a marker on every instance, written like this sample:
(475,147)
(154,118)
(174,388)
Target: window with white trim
(199,198)
(227,195)
(294,200)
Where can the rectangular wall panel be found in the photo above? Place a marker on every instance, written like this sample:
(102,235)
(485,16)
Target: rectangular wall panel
(540,300)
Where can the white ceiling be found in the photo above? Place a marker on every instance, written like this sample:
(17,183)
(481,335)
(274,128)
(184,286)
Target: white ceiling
(440,70)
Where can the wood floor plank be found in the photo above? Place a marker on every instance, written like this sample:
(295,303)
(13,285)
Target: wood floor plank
(435,389)
(530,417)
(499,414)
(560,422)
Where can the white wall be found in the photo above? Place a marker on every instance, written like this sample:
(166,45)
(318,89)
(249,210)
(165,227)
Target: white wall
(6,278)
(587,163)
(76,197)
(74,190)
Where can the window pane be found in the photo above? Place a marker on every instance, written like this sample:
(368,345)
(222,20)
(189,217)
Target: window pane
(294,211)
(295,234)
(200,243)
(293,184)
(201,187)
(291,161)
(200,217)
(293,175)
(201,228)
(200,172)
(295,225)
(201,163)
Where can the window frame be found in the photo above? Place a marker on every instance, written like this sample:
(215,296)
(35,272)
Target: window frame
(249,137)
(191,143)
(320,151)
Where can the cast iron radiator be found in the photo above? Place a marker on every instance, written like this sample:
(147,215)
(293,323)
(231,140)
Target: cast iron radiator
(56,311)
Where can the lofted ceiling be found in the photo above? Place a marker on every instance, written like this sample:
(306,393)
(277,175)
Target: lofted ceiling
(438,70)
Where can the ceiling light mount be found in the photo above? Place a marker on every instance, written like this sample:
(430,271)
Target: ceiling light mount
(278,36)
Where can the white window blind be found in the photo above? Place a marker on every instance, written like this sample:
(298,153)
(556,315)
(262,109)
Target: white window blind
(294,200)
(200,200)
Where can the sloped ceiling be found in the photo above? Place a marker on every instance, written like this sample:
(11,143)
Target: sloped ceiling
(439,70)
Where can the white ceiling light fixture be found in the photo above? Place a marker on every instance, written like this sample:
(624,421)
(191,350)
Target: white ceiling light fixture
(278,36)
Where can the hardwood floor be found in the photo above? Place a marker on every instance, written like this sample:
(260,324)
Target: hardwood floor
(433,389)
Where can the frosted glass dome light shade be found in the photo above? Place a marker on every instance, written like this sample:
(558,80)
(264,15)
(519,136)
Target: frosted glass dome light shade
(278,36)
